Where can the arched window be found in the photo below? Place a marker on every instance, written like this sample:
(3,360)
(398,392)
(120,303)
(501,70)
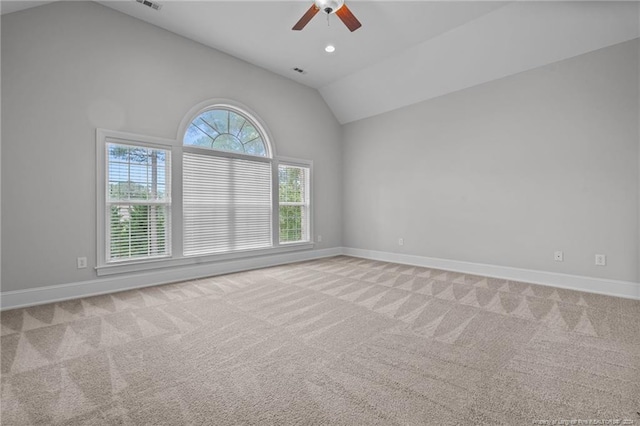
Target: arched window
(225,129)
(237,198)
(229,196)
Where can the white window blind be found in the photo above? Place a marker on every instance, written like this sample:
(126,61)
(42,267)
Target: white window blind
(138,202)
(294,203)
(227,205)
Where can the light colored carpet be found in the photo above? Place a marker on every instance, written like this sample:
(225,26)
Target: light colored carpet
(332,341)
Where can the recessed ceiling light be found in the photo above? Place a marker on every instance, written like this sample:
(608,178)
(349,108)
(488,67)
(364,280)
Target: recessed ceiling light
(330,48)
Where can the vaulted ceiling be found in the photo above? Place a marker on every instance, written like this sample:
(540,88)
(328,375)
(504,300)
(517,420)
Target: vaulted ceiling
(405,52)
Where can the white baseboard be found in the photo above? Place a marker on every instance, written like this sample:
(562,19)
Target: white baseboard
(626,289)
(112,284)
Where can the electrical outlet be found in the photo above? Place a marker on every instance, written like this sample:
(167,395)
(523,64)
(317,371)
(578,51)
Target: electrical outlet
(319,238)
(558,256)
(400,241)
(82,262)
(601,260)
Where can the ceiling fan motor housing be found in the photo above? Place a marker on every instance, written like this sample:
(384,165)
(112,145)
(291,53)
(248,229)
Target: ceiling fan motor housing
(329,6)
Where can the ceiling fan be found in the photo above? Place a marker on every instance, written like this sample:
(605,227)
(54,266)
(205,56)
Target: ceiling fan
(329,6)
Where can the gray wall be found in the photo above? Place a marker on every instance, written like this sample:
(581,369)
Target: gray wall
(507,172)
(68,68)
(503,173)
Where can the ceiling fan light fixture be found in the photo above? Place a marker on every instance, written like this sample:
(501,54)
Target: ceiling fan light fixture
(329,6)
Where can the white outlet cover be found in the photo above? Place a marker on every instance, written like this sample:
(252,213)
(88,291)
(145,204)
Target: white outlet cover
(558,256)
(400,241)
(601,260)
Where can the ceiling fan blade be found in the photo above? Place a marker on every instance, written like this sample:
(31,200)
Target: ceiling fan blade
(347,17)
(306,18)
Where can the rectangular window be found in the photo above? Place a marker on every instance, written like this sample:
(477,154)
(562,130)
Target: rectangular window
(138,202)
(294,203)
(226,204)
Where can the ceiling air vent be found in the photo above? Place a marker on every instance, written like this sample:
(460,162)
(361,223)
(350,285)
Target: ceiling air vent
(152,5)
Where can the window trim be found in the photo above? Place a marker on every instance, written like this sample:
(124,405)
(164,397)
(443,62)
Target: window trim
(293,162)
(104,137)
(155,264)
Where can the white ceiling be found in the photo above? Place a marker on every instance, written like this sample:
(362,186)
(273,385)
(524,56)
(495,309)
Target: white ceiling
(515,38)
(260,31)
(405,52)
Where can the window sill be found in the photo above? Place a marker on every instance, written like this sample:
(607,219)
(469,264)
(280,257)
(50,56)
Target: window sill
(149,265)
